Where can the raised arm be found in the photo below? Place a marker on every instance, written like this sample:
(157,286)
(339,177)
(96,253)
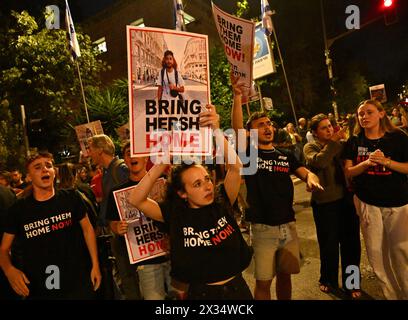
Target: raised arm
(233,164)
(237,116)
(320,159)
(139,195)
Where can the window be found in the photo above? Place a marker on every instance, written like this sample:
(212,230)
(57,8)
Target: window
(100,44)
(138,23)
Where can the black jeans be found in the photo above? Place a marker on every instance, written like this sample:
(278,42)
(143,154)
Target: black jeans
(235,289)
(338,231)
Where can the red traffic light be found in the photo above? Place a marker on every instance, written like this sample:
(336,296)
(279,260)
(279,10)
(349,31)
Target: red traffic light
(390,12)
(388,3)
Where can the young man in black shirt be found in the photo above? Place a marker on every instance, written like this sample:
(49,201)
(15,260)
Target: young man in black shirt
(56,239)
(270,198)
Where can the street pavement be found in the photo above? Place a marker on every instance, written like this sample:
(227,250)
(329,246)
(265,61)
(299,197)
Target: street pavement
(305,284)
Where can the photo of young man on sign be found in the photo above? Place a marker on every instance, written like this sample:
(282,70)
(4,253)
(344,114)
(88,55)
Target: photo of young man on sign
(169,88)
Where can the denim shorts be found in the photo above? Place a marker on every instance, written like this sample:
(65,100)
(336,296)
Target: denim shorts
(276,250)
(153,280)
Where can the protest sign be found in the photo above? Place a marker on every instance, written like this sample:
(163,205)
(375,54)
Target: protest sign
(263,57)
(143,240)
(168,75)
(85,131)
(237,36)
(123,132)
(378,93)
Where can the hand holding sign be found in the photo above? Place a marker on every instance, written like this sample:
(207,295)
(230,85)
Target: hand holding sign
(210,117)
(238,87)
(120,227)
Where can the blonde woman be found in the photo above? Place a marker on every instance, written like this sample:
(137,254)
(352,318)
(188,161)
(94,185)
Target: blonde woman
(377,161)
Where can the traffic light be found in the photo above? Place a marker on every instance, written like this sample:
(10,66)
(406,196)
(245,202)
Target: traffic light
(390,12)
(388,3)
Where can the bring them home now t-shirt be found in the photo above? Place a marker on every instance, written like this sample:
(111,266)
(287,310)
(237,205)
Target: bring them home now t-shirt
(206,243)
(270,190)
(49,234)
(378,185)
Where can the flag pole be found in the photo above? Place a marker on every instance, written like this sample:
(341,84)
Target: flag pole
(284,72)
(247,108)
(268,26)
(179,15)
(82,90)
(73,47)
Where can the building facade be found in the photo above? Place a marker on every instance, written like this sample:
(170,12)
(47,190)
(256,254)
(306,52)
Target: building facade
(194,64)
(108,31)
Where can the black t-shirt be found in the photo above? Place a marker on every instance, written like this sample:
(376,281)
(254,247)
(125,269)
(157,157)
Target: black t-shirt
(49,234)
(379,185)
(112,214)
(206,243)
(270,189)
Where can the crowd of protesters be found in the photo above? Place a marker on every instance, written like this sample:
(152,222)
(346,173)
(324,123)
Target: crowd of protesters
(65,215)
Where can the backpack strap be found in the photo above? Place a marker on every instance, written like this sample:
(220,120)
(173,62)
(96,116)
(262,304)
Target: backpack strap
(93,214)
(162,77)
(116,164)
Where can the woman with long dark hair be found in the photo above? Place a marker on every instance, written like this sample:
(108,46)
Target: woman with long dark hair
(207,251)
(377,161)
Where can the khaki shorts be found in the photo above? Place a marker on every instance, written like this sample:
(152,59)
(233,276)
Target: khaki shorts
(276,250)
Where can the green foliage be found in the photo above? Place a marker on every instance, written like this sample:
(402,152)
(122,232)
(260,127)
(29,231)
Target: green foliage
(37,72)
(221,92)
(11,142)
(242,8)
(110,106)
(351,89)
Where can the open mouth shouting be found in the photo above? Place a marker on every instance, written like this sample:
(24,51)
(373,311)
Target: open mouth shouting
(268,134)
(46,178)
(209,196)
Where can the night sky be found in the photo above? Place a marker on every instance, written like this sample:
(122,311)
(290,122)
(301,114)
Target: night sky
(381,51)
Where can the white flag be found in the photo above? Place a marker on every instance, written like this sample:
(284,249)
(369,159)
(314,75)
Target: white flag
(266,17)
(73,45)
(179,15)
